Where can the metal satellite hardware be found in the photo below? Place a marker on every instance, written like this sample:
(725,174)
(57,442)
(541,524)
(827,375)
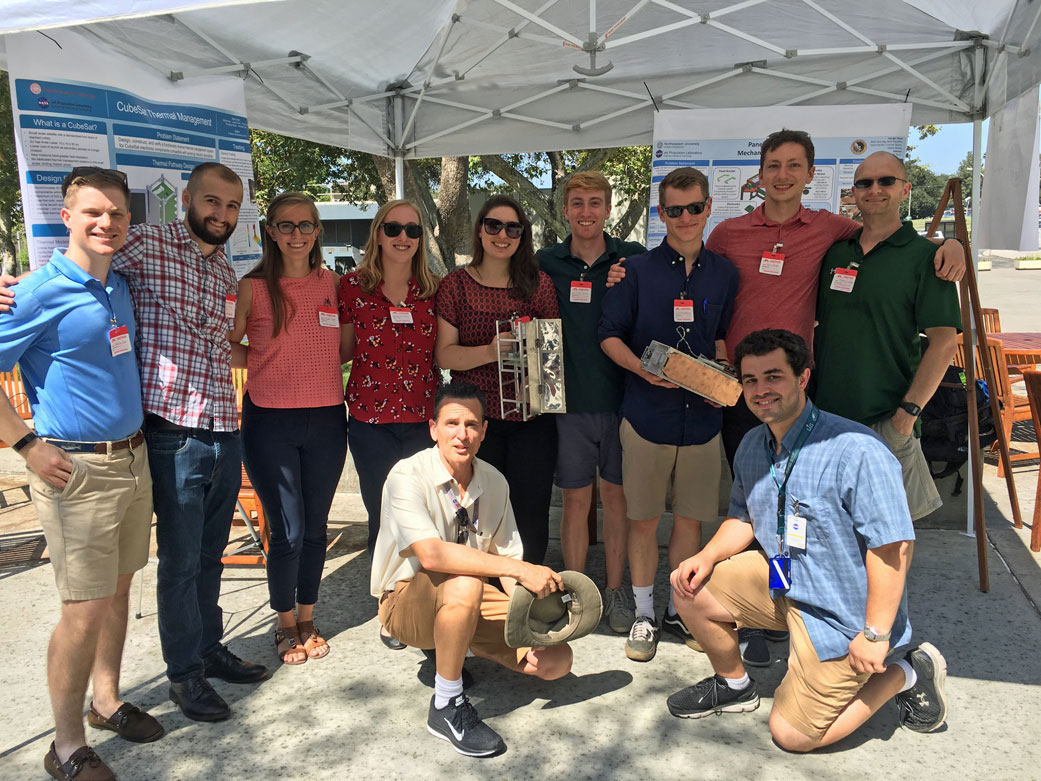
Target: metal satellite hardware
(531,373)
(698,375)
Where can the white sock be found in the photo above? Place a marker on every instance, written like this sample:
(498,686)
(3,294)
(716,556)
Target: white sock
(672,604)
(446,690)
(737,684)
(910,676)
(644,596)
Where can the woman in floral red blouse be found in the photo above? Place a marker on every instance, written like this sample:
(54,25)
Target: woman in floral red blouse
(502,282)
(387,313)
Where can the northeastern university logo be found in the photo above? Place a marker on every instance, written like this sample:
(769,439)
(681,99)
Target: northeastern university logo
(35,88)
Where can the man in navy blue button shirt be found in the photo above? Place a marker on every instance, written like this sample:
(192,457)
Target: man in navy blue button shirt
(682,295)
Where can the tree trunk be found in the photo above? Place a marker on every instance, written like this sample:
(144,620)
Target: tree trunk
(630,217)
(453,210)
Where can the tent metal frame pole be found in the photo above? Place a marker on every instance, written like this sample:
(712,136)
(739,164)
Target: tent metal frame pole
(399,151)
(973,335)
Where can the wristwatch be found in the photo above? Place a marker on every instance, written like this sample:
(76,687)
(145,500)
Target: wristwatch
(872,635)
(20,445)
(910,408)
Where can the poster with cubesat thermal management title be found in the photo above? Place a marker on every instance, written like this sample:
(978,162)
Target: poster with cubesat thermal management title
(724,144)
(78,102)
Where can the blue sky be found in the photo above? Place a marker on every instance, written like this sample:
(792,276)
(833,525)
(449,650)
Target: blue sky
(945,151)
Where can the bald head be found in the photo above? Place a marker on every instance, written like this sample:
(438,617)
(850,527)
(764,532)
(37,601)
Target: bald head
(886,160)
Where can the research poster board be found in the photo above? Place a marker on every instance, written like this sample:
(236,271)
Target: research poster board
(78,102)
(724,145)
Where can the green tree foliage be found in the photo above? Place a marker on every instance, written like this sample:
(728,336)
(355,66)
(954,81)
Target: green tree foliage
(11,225)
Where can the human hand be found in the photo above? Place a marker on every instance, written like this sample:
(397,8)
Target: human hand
(949,260)
(540,580)
(49,462)
(654,379)
(868,657)
(616,273)
(496,347)
(903,422)
(6,294)
(691,574)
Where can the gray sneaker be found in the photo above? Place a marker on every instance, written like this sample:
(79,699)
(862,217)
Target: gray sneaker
(642,643)
(619,615)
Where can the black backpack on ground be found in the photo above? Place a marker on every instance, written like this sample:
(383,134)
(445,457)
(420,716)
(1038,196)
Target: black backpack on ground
(945,425)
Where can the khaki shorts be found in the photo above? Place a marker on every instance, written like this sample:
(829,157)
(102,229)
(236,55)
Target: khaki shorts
(812,693)
(922,496)
(408,613)
(98,526)
(648,469)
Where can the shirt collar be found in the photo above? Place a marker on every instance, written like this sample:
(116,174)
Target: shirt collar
(792,434)
(759,218)
(443,478)
(70,270)
(562,250)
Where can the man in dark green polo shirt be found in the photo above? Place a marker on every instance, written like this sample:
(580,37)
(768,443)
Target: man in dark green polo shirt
(588,431)
(877,294)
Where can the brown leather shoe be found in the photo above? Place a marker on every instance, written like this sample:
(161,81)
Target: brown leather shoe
(129,722)
(83,765)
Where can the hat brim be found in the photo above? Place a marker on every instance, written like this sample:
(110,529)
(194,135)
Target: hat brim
(584,609)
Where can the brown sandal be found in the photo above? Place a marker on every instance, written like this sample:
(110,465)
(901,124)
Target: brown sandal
(311,640)
(287,640)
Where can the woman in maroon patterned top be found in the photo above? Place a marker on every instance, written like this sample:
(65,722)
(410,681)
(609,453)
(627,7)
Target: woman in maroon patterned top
(387,313)
(502,282)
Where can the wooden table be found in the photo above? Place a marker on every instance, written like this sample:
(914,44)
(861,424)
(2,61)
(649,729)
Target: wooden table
(1022,348)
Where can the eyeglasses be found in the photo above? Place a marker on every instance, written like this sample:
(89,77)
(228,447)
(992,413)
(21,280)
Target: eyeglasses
(306,228)
(462,521)
(86,171)
(675,211)
(493,227)
(412,229)
(883,181)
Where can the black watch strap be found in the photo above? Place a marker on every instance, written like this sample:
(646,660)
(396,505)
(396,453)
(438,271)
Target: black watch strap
(911,408)
(21,443)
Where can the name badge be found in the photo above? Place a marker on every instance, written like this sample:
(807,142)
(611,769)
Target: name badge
(581,292)
(119,340)
(229,306)
(795,532)
(771,263)
(844,279)
(328,317)
(400,315)
(683,310)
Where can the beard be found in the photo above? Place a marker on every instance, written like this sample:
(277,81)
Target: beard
(198,226)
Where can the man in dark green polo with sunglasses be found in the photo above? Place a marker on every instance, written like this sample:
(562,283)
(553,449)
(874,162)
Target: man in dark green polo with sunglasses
(878,292)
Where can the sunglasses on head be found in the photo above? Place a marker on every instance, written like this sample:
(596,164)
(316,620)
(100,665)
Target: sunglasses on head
(493,227)
(304,227)
(694,208)
(462,521)
(412,229)
(883,181)
(84,171)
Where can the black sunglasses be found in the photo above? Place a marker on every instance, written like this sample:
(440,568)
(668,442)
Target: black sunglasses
(675,211)
(493,227)
(305,227)
(883,181)
(412,229)
(462,521)
(84,171)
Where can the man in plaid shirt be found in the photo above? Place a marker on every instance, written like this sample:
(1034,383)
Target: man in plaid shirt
(183,289)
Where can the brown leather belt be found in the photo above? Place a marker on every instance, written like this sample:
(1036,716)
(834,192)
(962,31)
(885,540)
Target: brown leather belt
(98,447)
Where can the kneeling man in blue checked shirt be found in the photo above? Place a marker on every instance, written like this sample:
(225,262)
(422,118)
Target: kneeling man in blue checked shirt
(825,499)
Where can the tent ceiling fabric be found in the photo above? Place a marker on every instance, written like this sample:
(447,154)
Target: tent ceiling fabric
(426,78)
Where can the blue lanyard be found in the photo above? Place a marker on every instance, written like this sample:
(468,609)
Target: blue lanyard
(782,485)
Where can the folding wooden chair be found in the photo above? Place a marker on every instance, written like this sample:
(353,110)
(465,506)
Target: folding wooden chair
(991,321)
(1032,380)
(250,512)
(11,382)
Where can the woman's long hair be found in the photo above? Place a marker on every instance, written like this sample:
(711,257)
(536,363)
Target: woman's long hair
(271,266)
(370,271)
(524,266)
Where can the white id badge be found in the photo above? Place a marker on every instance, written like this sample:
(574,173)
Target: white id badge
(328,317)
(581,292)
(229,306)
(795,532)
(771,263)
(400,315)
(844,280)
(119,340)
(683,310)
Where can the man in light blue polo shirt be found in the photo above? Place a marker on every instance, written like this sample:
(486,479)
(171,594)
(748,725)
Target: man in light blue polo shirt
(72,334)
(824,497)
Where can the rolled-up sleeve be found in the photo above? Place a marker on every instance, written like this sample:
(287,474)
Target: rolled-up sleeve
(619,309)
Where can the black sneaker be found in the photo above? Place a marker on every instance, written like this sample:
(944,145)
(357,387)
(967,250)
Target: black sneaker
(923,707)
(752,643)
(712,695)
(673,624)
(776,635)
(459,724)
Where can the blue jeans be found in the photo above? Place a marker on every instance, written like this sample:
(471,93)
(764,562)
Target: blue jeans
(375,448)
(294,458)
(196,475)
